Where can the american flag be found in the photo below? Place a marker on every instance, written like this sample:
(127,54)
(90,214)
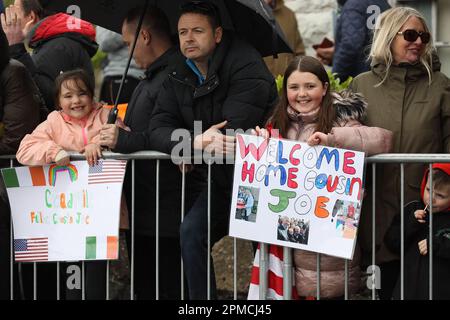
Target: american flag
(107,171)
(31,250)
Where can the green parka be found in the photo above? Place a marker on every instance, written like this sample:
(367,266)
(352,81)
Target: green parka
(418,114)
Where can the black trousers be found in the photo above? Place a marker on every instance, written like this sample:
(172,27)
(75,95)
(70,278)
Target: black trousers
(194,235)
(390,271)
(145,267)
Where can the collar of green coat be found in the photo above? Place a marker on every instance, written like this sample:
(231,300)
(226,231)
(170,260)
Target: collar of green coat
(406,71)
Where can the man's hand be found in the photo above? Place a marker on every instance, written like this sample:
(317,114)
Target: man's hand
(214,142)
(109,135)
(318,138)
(12,25)
(423,247)
(325,55)
(92,152)
(420,215)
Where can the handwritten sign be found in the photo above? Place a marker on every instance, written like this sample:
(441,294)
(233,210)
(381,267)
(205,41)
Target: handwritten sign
(64,213)
(301,196)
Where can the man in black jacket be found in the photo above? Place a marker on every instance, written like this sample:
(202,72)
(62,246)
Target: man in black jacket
(59,42)
(152,53)
(223,82)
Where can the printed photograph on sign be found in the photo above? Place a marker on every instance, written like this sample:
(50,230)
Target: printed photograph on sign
(293,230)
(247,203)
(346,217)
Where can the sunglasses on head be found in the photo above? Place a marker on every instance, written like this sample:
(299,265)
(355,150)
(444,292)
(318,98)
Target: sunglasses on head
(411,35)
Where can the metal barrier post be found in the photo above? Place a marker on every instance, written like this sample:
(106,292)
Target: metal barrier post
(11,251)
(133,162)
(318,277)
(209,233)
(58,280)
(430,236)
(83,282)
(183,196)
(234,269)
(287,273)
(34,281)
(346,280)
(402,231)
(157,233)
(263,260)
(373,232)
(107,278)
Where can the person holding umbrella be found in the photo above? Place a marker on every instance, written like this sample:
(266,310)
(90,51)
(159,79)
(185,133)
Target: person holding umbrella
(153,51)
(222,81)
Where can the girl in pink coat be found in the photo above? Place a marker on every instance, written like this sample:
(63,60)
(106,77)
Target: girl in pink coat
(309,112)
(74,126)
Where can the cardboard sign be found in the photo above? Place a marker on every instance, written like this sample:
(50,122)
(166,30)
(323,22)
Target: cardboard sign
(300,196)
(64,213)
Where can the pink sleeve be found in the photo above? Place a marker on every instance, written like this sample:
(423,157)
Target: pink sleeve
(38,148)
(371,140)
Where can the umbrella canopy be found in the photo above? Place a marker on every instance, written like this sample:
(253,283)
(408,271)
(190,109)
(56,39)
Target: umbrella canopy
(252,19)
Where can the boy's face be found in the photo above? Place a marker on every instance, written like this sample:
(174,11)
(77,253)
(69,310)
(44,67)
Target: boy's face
(441,197)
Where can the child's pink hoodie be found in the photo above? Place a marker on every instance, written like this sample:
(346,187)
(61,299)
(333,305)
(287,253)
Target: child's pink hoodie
(60,132)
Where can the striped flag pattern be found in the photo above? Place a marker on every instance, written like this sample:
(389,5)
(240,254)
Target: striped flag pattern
(31,249)
(275,276)
(107,171)
(24,177)
(102,247)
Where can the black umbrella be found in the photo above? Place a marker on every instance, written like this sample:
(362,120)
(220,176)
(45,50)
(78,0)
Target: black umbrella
(252,19)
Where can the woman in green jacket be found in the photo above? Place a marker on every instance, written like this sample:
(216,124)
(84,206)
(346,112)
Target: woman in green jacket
(408,95)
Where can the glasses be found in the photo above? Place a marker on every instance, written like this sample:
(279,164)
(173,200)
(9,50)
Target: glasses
(411,35)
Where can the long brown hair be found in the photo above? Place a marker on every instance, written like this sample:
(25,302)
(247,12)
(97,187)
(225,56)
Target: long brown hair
(280,120)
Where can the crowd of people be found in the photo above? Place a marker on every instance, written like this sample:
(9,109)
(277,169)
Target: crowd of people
(400,103)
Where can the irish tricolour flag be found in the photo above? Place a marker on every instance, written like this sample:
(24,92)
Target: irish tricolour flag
(102,247)
(24,177)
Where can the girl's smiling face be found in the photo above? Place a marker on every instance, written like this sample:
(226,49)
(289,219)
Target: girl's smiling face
(305,91)
(74,99)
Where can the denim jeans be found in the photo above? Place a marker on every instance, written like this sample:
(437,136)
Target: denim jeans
(194,240)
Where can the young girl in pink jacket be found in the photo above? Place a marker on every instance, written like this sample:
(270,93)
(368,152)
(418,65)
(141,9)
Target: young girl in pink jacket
(309,112)
(75,126)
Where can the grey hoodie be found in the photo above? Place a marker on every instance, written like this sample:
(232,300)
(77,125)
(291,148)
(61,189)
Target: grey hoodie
(111,43)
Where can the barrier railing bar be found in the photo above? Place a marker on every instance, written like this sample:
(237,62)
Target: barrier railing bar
(133,162)
(374,274)
(157,233)
(183,196)
(209,235)
(402,231)
(430,236)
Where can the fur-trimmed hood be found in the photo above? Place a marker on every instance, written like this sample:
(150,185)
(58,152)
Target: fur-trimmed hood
(349,106)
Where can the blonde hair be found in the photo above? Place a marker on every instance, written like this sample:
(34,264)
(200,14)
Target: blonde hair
(388,25)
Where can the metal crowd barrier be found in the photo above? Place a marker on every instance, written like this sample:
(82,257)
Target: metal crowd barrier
(400,159)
